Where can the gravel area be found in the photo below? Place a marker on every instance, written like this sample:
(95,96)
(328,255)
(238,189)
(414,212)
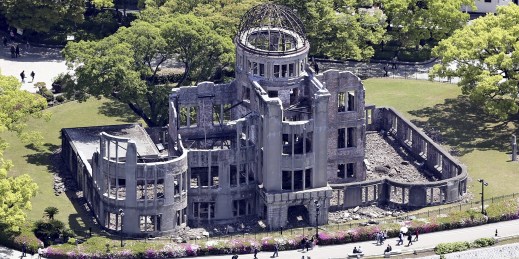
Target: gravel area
(510,251)
(388,159)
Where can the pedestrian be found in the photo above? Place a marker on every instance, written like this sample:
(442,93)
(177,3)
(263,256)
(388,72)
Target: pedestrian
(22,75)
(303,243)
(416,235)
(276,249)
(409,238)
(234,256)
(17,50)
(40,252)
(32,76)
(400,239)
(359,250)
(24,246)
(385,71)
(388,248)
(316,68)
(28,45)
(4,40)
(307,245)
(13,51)
(312,243)
(255,252)
(355,250)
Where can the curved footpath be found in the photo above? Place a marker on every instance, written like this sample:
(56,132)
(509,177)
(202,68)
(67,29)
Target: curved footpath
(426,241)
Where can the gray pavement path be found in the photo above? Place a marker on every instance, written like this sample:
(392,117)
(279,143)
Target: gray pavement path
(46,63)
(507,228)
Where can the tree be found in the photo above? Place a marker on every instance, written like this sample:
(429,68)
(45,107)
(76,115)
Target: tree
(485,56)
(412,22)
(16,106)
(50,212)
(340,29)
(124,66)
(41,15)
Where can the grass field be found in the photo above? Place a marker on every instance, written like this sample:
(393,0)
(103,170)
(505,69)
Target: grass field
(37,163)
(483,141)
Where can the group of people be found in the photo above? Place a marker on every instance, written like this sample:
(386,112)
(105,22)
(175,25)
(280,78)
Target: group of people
(307,243)
(409,238)
(357,250)
(22,76)
(380,237)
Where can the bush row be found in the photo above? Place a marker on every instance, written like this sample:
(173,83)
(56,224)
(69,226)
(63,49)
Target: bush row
(445,248)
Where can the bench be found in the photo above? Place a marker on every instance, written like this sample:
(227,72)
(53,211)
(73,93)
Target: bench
(356,255)
(393,252)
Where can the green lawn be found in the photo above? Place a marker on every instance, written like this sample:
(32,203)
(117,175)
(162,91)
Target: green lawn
(38,163)
(483,141)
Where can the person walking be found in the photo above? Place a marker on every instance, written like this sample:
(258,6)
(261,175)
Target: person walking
(32,76)
(13,51)
(276,249)
(22,75)
(400,239)
(24,246)
(255,252)
(17,50)
(316,68)
(409,238)
(416,232)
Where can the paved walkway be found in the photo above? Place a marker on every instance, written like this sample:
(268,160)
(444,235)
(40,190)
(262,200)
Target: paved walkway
(507,228)
(46,63)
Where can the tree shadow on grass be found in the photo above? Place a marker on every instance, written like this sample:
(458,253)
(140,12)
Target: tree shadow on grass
(45,156)
(466,126)
(119,110)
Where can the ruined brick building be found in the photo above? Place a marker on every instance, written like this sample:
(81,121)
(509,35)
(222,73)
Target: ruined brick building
(266,144)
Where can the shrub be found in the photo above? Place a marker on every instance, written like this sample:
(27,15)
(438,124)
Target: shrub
(46,93)
(483,242)
(71,241)
(421,55)
(445,248)
(60,98)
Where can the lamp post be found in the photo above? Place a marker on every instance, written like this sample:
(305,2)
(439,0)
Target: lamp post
(483,184)
(121,214)
(317,207)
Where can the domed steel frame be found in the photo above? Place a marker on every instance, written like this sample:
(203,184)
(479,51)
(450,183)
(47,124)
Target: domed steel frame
(271,29)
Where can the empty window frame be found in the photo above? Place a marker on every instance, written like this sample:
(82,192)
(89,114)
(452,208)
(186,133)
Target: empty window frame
(200,177)
(203,210)
(193,116)
(298,180)
(351,101)
(350,170)
(261,69)
(341,171)
(217,114)
(284,70)
(183,116)
(291,69)
(341,102)
(286,181)
(287,143)
(273,94)
(350,141)
(341,138)
(308,178)
(233,176)
(243,174)
(226,112)
(150,223)
(241,207)
(277,71)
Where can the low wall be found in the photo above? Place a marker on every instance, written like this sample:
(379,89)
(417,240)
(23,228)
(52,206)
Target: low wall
(452,174)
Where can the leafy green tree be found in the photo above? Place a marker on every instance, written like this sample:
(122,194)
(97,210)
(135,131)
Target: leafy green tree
(41,15)
(412,22)
(485,56)
(124,66)
(103,3)
(340,29)
(50,212)
(16,106)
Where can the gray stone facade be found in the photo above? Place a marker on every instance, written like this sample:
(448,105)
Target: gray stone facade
(276,140)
